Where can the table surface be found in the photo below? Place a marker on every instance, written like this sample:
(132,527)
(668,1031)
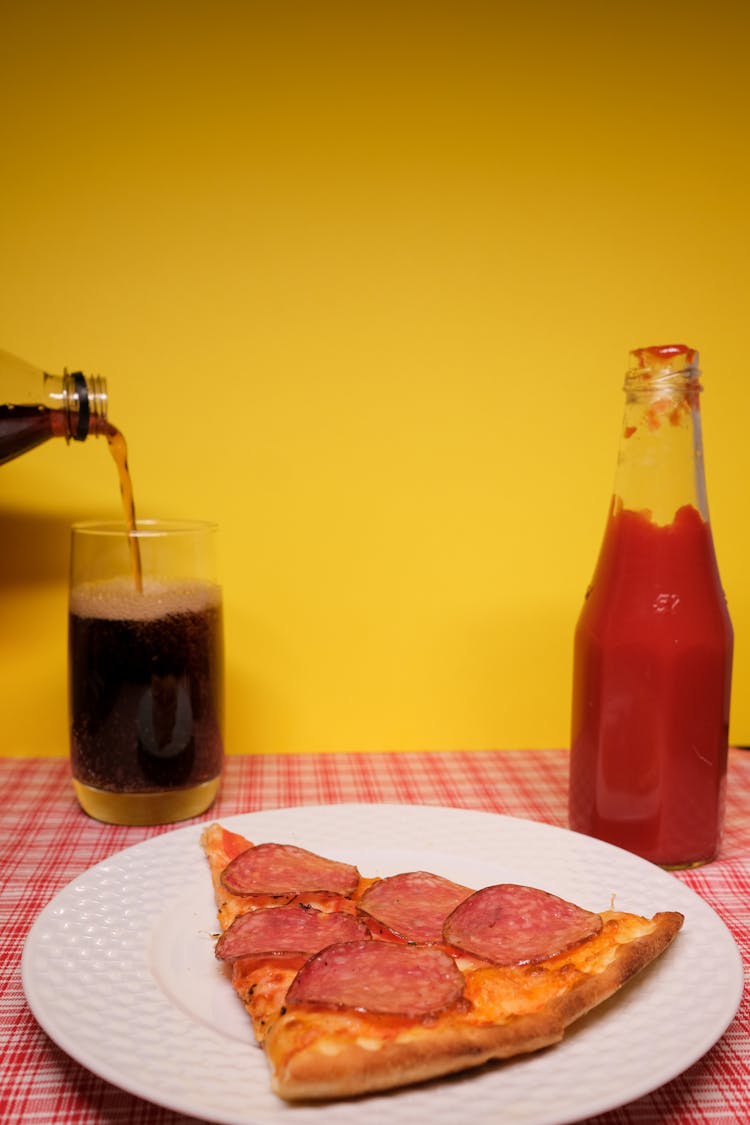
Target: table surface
(45,841)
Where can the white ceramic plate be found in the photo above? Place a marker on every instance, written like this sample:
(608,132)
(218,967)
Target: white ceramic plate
(119,970)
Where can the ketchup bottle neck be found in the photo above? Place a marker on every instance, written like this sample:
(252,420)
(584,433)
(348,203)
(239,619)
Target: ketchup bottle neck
(660,460)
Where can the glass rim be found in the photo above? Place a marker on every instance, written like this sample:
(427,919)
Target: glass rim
(144,528)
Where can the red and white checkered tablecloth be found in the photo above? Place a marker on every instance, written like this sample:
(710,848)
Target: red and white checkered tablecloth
(45,841)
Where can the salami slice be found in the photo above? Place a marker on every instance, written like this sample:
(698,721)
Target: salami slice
(509,924)
(281,930)
(379,976)
(283,871)
(413,905)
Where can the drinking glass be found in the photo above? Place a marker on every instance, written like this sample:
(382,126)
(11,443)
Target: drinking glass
(146,670)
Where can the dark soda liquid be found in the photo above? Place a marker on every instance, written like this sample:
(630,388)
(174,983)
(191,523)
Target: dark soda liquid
(146,676)
(25,427)
(119,450)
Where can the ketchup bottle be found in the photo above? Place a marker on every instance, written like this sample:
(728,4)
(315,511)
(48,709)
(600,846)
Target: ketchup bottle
(35,407)
(653,644)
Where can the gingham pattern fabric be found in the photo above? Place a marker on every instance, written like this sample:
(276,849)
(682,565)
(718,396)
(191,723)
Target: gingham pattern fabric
(45,841)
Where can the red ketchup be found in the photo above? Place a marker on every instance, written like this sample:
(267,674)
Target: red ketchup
(653,645)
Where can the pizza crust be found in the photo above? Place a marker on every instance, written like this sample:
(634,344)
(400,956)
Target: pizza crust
(326,1066)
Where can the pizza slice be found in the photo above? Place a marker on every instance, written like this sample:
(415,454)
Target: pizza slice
(356,984)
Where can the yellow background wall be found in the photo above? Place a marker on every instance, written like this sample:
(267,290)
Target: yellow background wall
(363,278)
